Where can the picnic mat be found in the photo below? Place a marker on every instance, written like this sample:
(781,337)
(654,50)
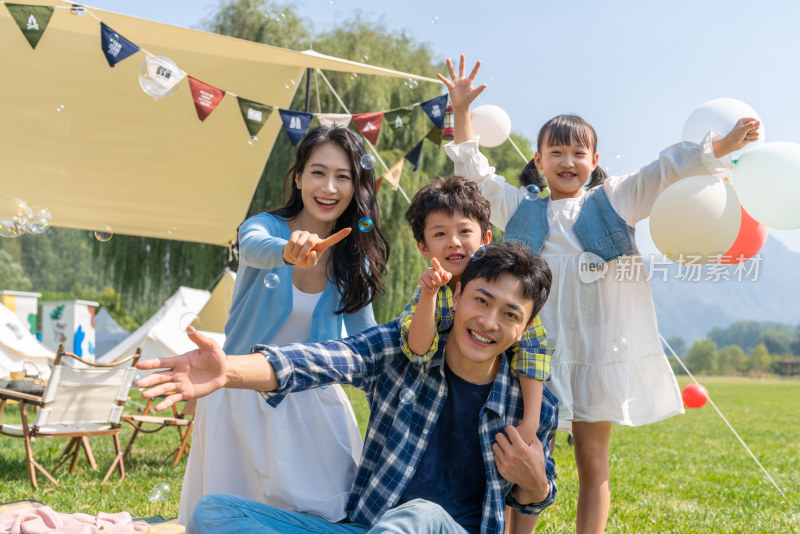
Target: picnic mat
(35,517)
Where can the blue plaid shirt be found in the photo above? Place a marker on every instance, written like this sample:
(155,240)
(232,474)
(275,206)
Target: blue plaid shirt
(398,432)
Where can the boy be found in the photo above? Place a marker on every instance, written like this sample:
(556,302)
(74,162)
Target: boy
(450,221)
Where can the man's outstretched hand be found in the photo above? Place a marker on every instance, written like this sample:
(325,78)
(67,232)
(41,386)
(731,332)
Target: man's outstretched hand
(191,375)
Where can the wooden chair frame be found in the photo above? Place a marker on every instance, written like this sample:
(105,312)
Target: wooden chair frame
(182,421)
(78,438)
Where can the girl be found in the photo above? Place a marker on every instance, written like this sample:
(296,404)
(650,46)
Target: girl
(302,455)
(608,365)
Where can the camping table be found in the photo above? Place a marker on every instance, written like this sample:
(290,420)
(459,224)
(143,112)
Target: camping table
(28,387)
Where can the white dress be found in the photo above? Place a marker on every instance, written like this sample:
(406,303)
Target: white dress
(302,455)
(608,363)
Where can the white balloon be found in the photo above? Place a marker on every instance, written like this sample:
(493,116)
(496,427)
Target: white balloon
(492,124)
(767,180)
(697,217)
(721,115)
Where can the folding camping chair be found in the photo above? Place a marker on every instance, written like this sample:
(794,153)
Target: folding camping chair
(182,421)
(78,402)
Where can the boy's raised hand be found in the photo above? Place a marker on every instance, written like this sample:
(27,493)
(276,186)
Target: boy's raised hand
(304,249)
(460,87)
(744,132)
(434,277)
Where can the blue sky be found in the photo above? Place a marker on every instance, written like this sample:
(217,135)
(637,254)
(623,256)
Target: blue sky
(635,70)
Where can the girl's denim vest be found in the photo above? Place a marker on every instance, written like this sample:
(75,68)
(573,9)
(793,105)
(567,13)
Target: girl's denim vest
(599,228)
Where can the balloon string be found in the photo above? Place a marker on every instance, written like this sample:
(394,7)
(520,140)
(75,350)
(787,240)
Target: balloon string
(724,419)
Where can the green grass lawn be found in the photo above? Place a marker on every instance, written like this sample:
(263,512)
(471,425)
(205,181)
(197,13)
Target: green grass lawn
(687,474)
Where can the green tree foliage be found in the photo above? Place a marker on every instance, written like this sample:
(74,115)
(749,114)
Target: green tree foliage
(776,341)
(702,357)
(745,334)
(760,359)
(731,360)
(11,274)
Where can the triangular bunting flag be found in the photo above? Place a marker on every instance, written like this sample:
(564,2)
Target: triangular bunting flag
(435,108)
(378,185)
(115,47)
(329,120)
(295,123)
(393,174)
(399,118)
(435,136)
(369,124)
(254,114)
(32,20)
(413,155)
(206,97)
(397,131)
(163,76)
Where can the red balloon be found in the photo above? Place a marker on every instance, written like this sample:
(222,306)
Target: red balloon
(694,396)
(752,236)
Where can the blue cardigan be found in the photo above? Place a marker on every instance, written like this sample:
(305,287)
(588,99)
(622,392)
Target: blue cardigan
(257,312)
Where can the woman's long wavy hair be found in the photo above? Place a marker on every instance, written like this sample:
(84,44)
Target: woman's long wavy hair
(359,261)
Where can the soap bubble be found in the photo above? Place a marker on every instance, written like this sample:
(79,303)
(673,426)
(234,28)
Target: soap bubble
(407,396)
(289,84)
(160,492)
(252,140)
(40,221)
(411,83)
(60,108)
(15,217)
(435,20)
(172,230)
(478,254)
(104,233)
(532,192)
(272,280)
(159,76)
(77,10)
(364,58)
(365,224)
(619,345)
(189,319)
(367,161)
(353,76)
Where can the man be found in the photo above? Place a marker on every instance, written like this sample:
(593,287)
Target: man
(436,457)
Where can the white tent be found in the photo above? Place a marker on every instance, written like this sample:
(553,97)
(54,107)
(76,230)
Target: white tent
(18,345)
(164,333)
(215,313)
(107,332)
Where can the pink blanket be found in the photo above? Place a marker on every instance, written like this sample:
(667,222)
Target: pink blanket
(46,520)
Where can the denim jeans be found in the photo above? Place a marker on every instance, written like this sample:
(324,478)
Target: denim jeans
(219,513)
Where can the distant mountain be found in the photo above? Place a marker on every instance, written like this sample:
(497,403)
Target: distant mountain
(690,309)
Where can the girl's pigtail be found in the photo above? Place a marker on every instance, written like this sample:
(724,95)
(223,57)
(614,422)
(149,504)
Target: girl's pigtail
(598,177)
(531,175)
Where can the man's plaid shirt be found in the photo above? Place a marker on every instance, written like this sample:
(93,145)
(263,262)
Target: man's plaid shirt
(398,433)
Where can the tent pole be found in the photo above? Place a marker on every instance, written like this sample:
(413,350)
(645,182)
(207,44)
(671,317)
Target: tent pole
(308,89)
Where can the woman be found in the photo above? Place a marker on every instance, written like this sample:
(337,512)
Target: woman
(302,455)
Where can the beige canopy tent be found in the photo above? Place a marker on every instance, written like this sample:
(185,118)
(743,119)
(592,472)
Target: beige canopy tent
(85,141)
